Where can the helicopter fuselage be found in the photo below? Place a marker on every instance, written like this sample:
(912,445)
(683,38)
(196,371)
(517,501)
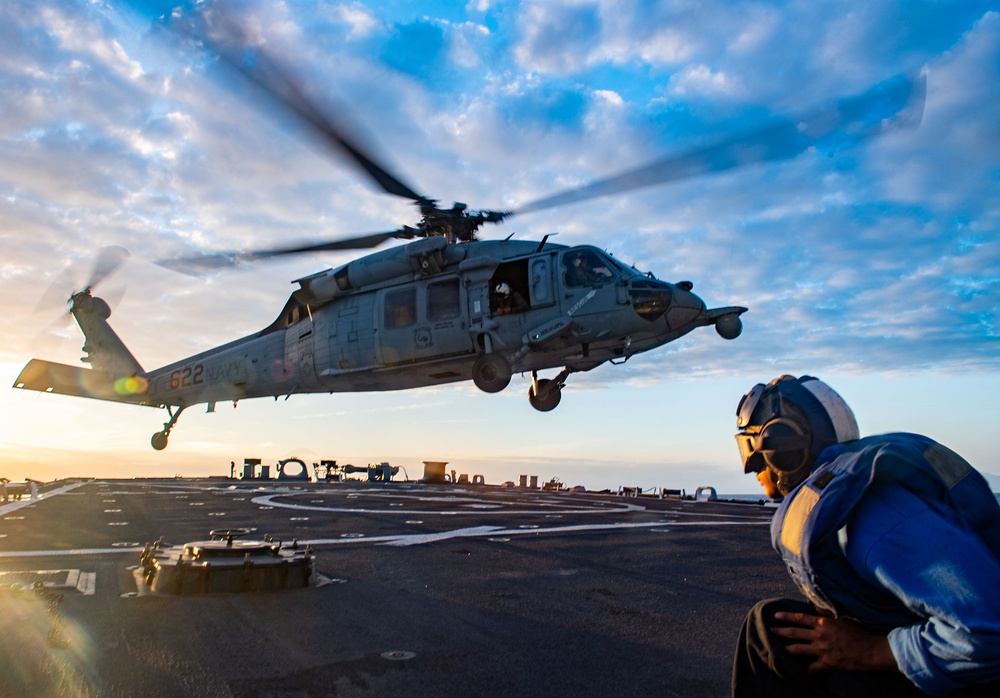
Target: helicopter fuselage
(420,314)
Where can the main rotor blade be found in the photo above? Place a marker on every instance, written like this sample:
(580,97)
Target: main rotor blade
(894,104)
(221,260)
(223,36)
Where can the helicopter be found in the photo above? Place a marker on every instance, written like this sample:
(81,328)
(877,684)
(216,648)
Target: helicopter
(446,306)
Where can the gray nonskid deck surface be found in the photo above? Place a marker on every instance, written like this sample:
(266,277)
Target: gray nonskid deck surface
(431,591)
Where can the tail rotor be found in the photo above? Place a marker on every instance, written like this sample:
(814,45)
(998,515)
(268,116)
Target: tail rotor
(70,285)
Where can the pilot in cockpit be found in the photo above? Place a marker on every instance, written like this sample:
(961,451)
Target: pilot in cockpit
(584,268)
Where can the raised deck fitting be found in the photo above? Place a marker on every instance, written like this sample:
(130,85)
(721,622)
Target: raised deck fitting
(226,565)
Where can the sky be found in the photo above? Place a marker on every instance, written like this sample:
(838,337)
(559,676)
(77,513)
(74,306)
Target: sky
(874,266)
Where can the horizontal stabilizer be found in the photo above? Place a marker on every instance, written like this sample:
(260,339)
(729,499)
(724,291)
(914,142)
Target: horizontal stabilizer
(48,377)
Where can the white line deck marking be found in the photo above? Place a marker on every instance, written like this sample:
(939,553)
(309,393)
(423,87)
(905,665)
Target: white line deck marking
(14,506)
(268,500)
(420,538)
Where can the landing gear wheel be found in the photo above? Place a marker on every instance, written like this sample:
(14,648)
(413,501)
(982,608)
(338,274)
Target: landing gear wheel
(549,395)
(491,373)
(159,440)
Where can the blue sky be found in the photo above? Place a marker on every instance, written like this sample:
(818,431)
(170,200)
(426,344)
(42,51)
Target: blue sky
(875,267)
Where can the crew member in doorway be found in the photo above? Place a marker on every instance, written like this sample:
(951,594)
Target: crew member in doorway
(506,300)
(893,539)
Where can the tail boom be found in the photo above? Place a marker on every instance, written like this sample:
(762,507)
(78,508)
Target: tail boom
(48,377)
(114,374)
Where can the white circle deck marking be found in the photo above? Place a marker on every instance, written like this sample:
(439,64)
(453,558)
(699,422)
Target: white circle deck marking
(408,539)
(464,505)
(500,505)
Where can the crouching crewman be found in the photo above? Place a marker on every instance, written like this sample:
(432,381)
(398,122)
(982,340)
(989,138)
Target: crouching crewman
(893,539)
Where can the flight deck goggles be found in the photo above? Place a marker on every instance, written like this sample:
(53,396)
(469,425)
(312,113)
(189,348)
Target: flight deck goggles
(760,442)
(756,439)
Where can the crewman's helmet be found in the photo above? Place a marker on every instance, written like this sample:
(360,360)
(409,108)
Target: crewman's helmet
(503,289)
(787,423)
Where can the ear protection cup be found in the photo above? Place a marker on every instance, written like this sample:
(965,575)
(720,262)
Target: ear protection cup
(787,423)
(786,445)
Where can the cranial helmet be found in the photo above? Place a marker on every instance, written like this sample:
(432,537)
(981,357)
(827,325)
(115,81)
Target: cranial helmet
(787,423)
(503,289)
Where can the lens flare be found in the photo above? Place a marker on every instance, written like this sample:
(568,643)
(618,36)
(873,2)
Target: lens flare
(132,385)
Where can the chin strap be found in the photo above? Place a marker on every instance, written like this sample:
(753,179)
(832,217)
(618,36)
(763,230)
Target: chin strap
(786,481)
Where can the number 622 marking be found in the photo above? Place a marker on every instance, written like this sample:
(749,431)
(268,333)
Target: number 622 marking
(187,376)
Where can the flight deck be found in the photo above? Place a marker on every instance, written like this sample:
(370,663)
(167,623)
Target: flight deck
(420,590)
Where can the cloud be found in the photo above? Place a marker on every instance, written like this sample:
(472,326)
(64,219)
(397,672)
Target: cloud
(362,23)
(873,260)
(699,79)
(557,38)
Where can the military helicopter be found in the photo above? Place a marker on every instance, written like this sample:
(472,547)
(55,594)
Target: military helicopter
(445,306)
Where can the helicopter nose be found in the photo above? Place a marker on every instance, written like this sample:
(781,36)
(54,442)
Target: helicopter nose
(685,308)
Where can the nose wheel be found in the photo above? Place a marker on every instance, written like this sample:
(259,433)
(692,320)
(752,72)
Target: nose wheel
(545,393)
(546,396)
(159,439)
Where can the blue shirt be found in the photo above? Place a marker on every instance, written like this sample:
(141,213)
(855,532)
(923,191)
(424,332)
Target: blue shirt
(942,573)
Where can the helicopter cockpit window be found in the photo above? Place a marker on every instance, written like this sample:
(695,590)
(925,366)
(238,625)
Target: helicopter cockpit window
(401,308)
(586,268)
(650,300)
(443,300)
